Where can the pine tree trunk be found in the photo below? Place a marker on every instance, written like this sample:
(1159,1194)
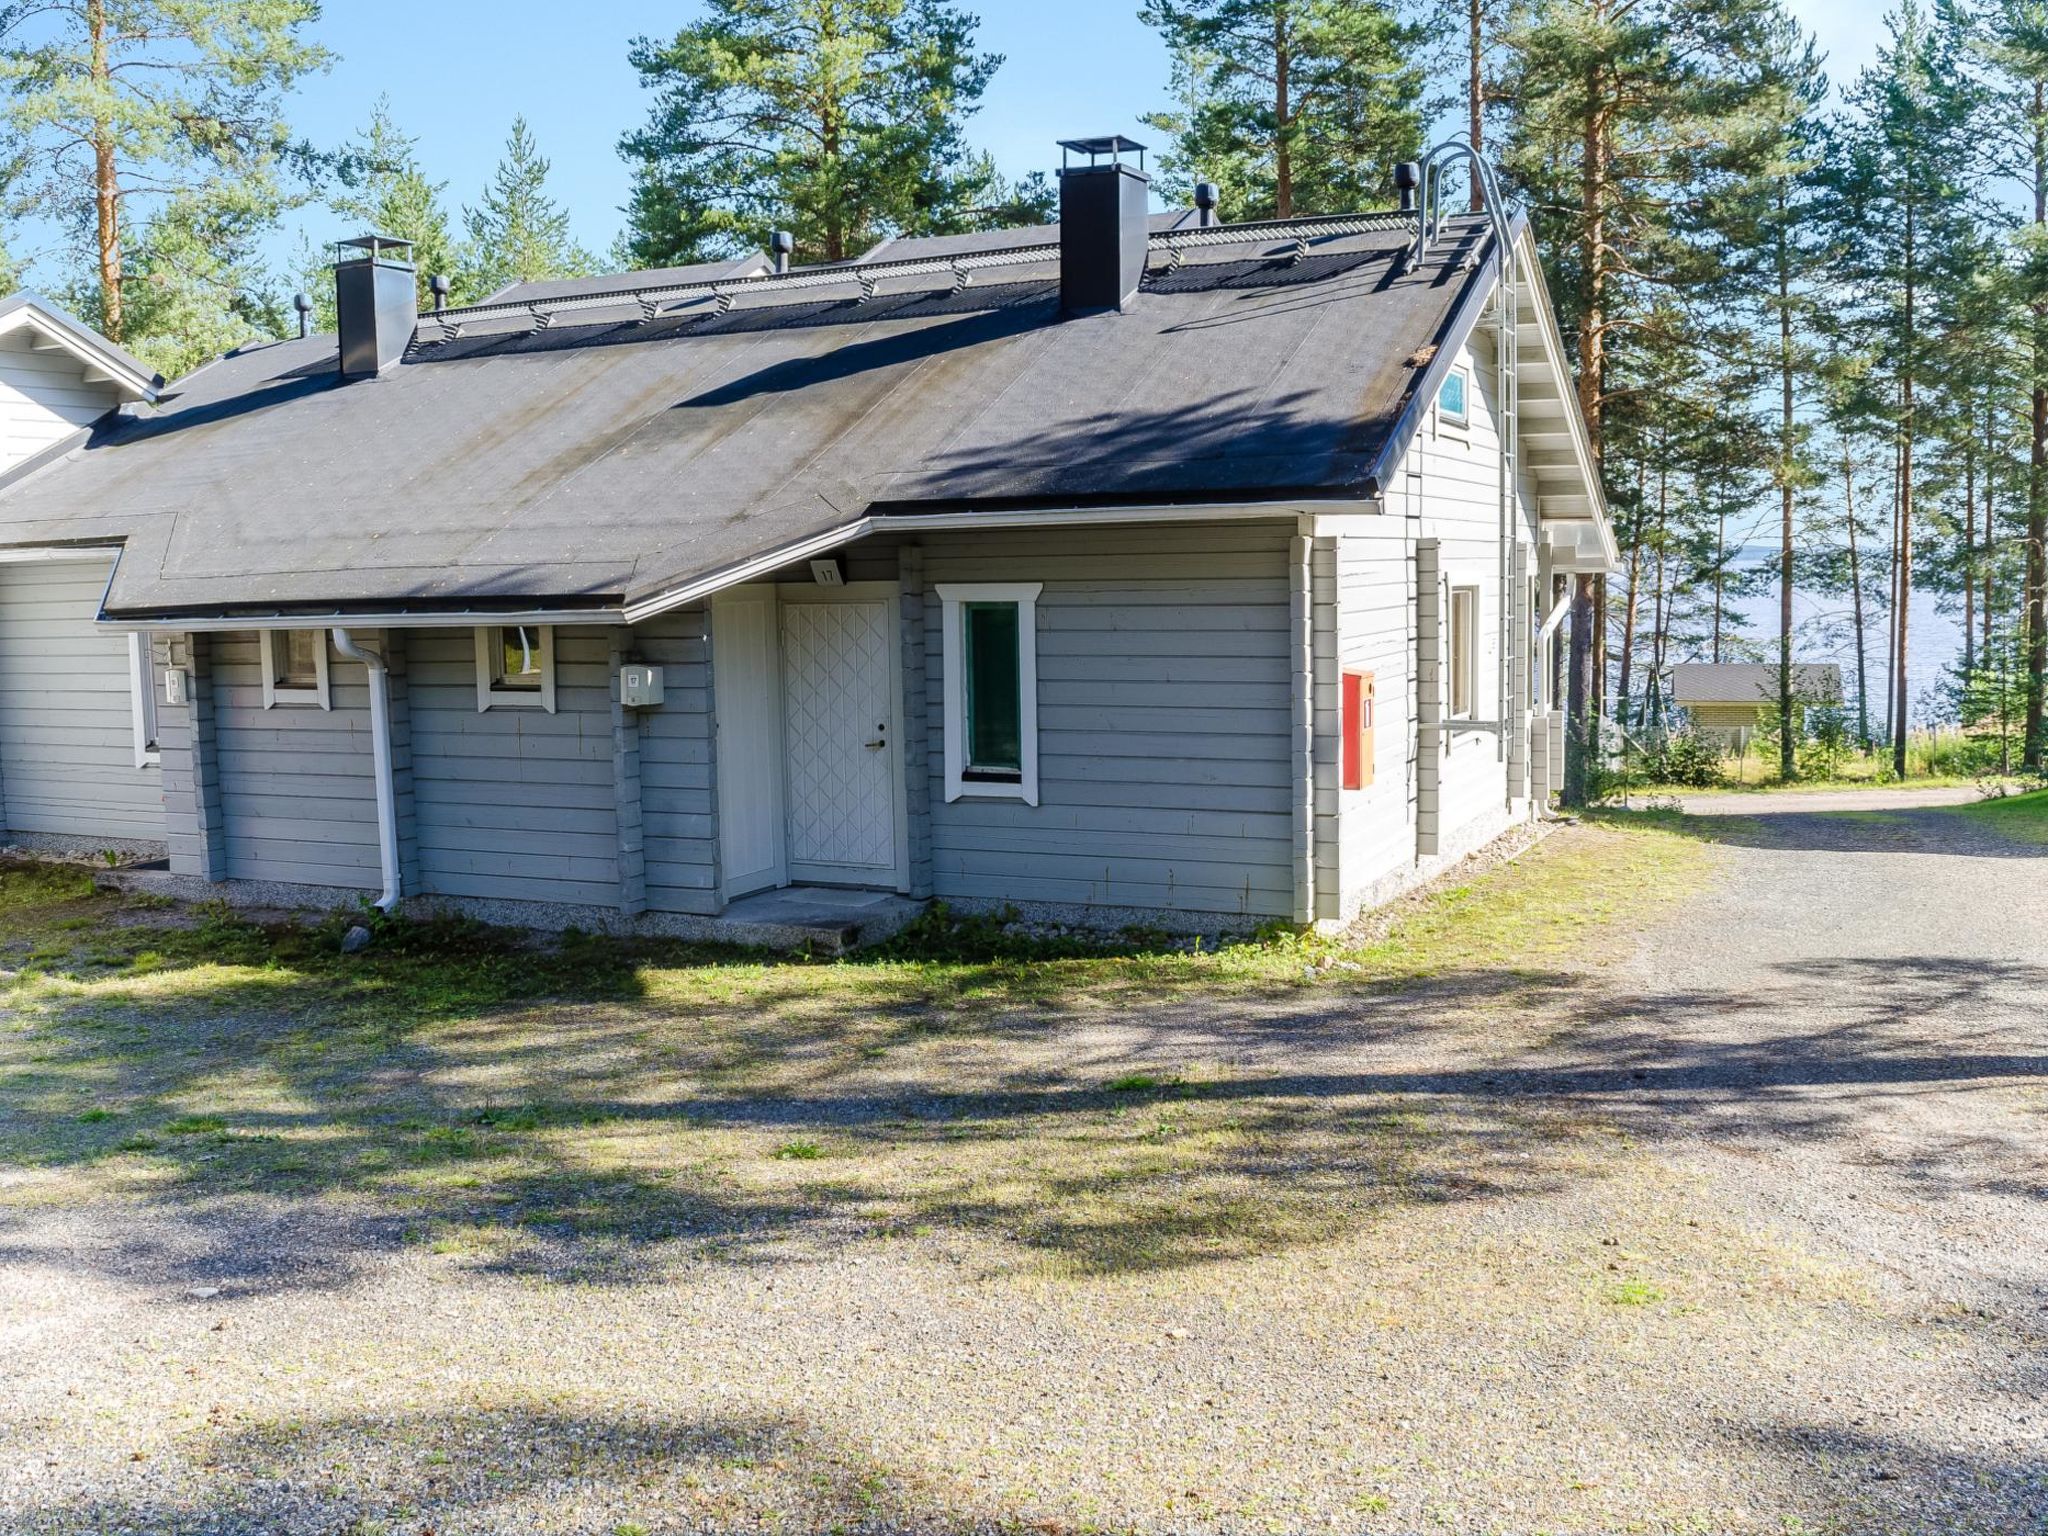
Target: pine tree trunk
(1720,579)
(1628,611)
(1900,715)
(1283,149)
(1856,598)
(1578,745)
(1969,540)
(2034,581)
(1475,94)
(106,183)
(1787,763)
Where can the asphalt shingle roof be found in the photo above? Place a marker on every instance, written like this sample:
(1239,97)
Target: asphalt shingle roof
(1745,682)
(603,458)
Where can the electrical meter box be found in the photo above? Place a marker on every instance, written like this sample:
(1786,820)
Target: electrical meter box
(639,686)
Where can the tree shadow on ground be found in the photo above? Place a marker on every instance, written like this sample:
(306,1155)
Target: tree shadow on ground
(1932,830)
(507,1469)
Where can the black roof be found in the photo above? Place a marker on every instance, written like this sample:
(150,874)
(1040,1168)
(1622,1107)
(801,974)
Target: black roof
(607,457)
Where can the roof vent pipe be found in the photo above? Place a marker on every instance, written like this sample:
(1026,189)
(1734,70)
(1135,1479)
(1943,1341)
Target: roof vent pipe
(782,243)
(1206,197)
(376,302)
(1104,208)
(1407,177)
(438,285)
(303,303)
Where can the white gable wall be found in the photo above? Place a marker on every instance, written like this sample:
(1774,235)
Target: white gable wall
(1448,490)
(43,397)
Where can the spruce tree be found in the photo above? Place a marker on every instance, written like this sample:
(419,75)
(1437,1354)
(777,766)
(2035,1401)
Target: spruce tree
(517,233)
(382,189)
(1289,106)
(1897,187)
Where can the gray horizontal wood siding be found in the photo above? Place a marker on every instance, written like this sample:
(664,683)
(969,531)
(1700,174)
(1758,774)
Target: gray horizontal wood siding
(297,787)
(514,803)
(679,814)
(67,734)
(1163,713)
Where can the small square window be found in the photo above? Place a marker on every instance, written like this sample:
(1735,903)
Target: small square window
(295,667)
(515,665)
(1453,405)
(518,653)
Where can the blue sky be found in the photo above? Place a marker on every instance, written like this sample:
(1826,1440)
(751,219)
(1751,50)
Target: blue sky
(458,70)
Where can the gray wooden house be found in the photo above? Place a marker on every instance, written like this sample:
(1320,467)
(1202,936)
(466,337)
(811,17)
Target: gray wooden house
(1135,567)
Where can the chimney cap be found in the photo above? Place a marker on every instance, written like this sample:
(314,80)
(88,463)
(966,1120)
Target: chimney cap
(1206,197)
(376,246)
(1114,145)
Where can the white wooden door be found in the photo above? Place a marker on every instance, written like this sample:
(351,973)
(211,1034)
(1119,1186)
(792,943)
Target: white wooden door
(840,736)
(747,688)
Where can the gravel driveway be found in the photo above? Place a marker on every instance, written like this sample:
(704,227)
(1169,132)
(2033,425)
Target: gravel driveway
(1736,1223)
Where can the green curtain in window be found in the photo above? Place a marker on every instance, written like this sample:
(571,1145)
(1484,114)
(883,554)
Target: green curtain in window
(995,719)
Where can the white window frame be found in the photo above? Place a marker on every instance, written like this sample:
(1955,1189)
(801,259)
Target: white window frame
(1462,671)
(275,693)
(952,597)
(1462,421)
(489,696)
(142,700)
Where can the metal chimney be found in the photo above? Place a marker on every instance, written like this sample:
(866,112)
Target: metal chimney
(376,303)
(782,243)
(1103,210)
(303,303)
(1206,198)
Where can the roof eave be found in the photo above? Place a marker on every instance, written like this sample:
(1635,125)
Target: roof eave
(128,376)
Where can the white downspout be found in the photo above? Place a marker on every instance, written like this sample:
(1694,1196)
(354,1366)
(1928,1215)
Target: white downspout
(380,751)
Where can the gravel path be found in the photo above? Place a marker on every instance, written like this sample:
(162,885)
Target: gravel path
(1741,1229)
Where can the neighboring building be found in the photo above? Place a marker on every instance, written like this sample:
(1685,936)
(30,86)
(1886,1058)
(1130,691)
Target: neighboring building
(1728,699)
(1133,567)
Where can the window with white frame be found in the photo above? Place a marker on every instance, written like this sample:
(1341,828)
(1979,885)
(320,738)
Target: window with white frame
(515,667)
(142,700)
(295,667)
(990,667)
(1454,399)
(1462,652)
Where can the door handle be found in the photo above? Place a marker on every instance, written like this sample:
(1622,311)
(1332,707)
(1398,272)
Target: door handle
(881,739)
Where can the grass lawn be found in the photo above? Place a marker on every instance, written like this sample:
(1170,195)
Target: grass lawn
(2023,818)
(470,1233)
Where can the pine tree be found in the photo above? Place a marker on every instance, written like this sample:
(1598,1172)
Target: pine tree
(1623,119)
(2015,47)
(117,106)
(381,189)
(1897,186)
(196,284)
(1289,106)
(1764,214)
(518,234)
(839,120)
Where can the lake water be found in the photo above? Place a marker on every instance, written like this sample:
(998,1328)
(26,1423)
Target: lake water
(1825,631)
